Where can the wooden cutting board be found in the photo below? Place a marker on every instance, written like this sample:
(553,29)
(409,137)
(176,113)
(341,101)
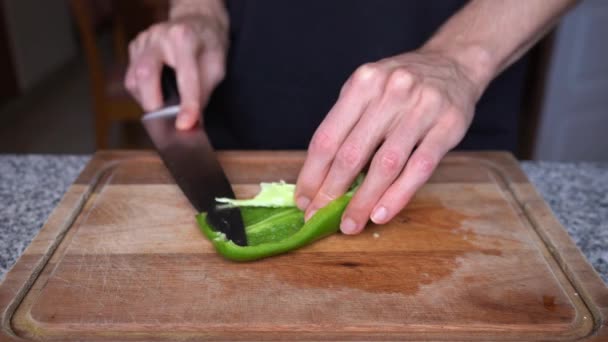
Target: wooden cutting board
(477,255)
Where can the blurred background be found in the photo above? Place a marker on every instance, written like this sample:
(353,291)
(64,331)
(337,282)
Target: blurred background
(62,64)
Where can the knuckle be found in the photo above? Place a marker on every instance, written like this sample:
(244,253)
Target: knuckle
(454,127)
(400,80)
(366,73)
(143,37)
(453,120)
(324,197)
(190,108)
(155,29)
(349,156)
(345,87)
(216,70)
(140,37)
(220,71)
(357,211)
(219,75)
(305,185)
(425,163)
(323,144)
(395,198)
(143,70)
(431,94)
(390,162)
(181,32)
(129,83)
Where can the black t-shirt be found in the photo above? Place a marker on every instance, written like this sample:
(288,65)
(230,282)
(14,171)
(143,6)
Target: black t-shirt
(288,60)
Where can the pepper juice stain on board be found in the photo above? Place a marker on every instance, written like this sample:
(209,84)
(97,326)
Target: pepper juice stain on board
(420,246)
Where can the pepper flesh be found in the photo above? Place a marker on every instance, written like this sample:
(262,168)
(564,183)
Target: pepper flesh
(324,222)
(276,194)
(263,225)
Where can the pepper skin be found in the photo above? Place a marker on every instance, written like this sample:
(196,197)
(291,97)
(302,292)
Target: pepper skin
(325,222)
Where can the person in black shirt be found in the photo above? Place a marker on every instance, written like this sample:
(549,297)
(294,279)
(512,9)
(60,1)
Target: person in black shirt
(391,83)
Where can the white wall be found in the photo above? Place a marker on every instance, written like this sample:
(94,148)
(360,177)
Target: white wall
(574,118)
(41,36)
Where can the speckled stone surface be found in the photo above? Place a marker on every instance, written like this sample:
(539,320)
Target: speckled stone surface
(578,195)
(32,185)
(30,188)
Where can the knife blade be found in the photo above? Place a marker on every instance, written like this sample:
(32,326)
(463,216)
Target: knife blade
(191,160)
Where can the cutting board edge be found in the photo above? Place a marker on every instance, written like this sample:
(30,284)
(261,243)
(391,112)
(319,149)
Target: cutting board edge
(456,333)
(24,273)
(17,281)
(573,264)
(581,274)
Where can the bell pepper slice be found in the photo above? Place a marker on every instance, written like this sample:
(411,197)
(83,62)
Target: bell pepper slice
(279,227)
(325,222)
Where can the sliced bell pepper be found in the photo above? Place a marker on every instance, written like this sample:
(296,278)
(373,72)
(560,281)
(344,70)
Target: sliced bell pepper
(278,228)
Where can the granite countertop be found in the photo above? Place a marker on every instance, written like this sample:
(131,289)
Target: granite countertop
(32,185)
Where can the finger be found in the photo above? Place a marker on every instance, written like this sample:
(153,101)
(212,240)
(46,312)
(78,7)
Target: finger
(396,100)
(130,83)
(389,162)
(136,45)
(146,70)
(186,49)
(137,50)
(189,85)
(349,161)
(361,143)
(353,99)
(418,170)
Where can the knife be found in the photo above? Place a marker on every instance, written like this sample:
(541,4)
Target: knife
(191,161)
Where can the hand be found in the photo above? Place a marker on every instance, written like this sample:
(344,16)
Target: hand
(195,46)
(404,113)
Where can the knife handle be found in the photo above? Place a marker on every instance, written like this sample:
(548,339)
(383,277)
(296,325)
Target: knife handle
(168,82)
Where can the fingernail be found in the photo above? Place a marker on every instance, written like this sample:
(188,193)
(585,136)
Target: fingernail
(182,122)
(348,226)
(379,215)
(302,202)
(310,214)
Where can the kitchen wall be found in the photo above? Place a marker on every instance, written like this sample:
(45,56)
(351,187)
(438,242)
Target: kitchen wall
(41,36)
(574,116)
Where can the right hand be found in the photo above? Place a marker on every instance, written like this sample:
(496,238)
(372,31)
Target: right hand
(195,46)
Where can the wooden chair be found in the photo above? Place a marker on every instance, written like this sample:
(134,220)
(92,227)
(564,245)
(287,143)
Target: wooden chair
(111,101)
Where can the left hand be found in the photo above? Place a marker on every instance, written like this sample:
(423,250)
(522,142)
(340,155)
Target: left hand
(403,113)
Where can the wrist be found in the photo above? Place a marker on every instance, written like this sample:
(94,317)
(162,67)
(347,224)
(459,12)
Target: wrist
(212,11)
(209,17)
(475,60)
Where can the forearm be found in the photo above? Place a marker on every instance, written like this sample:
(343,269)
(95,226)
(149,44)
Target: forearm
(486,36)
(212,9)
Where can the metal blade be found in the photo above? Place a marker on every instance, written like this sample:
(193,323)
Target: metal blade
(192,162)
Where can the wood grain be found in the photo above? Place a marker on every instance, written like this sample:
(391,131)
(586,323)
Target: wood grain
(477,255)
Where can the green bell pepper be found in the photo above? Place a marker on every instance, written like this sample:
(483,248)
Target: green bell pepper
(274,225)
